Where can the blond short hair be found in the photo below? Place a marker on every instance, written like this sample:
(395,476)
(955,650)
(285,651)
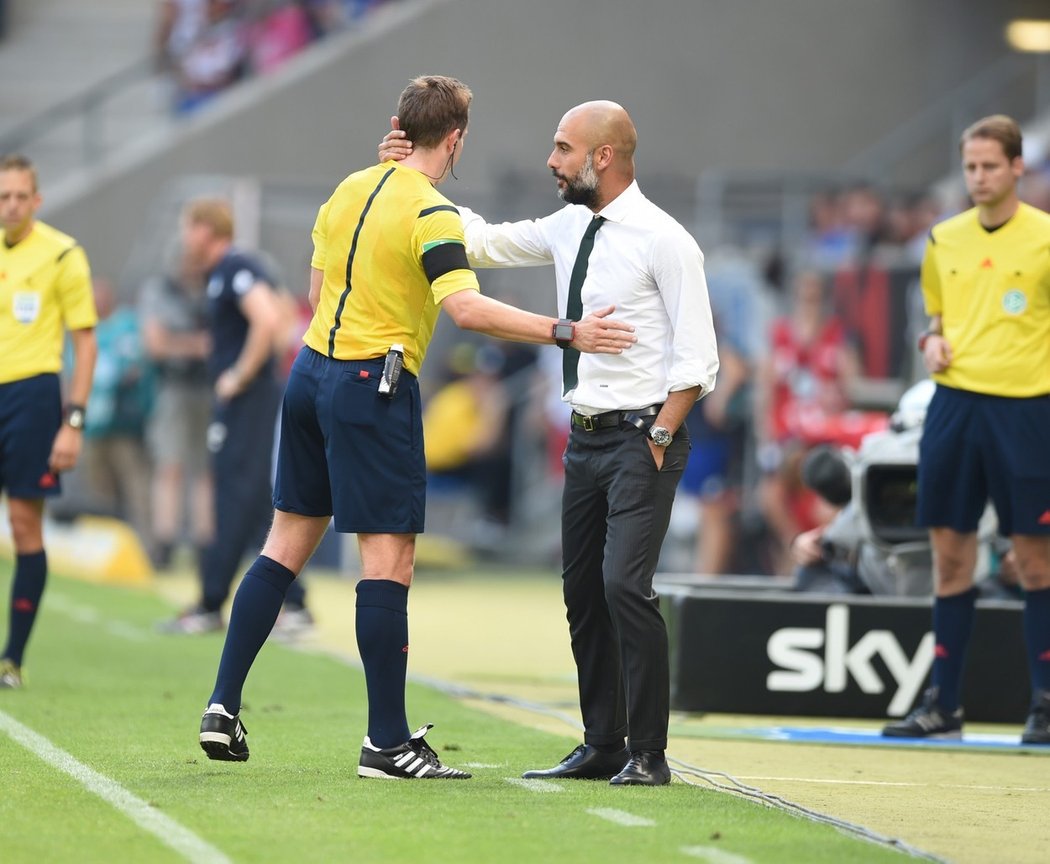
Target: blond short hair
(18,162)
(997,127)
(216,213)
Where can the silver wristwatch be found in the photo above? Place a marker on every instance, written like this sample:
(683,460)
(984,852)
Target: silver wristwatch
(660,436)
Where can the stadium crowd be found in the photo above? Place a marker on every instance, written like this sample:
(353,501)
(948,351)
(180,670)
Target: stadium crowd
(203,47)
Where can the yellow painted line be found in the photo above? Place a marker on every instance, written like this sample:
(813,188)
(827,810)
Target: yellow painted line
(832,782)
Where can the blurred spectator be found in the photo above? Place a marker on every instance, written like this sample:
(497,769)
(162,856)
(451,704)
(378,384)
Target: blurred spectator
(1034,189)
(803,385)
(114,463)
(179,23)
(215,58)
(175,334)
(720,424)
(831,241)
(282,28)
(202,47)
(465,431)
(550,415)
(864,214)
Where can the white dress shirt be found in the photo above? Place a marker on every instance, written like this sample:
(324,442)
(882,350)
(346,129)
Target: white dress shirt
(646,265)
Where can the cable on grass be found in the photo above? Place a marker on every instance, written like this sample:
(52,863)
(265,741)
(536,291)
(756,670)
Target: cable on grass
(719,780)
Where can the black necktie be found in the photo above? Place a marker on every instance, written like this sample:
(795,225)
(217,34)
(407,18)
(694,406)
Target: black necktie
(574,306)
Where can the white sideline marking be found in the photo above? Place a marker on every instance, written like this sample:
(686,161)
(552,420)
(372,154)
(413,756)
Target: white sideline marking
(88,615)
(164,828)
(481,765)
(621,817)
(714,855)
(534,784)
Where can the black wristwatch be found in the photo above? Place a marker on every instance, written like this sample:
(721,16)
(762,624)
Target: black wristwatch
(563,332)
(660,436)
(924,337)
(75,416)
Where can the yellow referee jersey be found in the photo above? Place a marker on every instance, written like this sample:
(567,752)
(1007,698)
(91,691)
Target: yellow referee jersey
(992,290)
(45,289)
(391,249)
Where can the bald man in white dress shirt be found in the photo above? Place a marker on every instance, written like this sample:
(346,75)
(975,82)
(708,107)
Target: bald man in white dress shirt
(627,446)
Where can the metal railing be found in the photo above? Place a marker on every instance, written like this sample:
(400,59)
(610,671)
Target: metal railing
(86,109)
(1017,84)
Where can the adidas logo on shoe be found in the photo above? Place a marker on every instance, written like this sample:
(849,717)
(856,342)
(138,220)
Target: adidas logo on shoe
(413,760)
(223,736)
(929,720)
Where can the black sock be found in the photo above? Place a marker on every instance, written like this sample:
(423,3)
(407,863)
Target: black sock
(382,642)
(255,608)
(26,590)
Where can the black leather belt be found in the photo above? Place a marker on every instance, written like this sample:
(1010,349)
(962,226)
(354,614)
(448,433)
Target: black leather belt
(610,419)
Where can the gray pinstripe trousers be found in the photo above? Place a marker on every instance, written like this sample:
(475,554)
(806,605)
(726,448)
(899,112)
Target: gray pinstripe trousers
(615,510)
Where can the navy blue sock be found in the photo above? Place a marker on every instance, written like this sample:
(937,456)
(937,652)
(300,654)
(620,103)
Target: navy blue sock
(952,623)
(26,590)
(255,608)
(382,641)
(1037,637)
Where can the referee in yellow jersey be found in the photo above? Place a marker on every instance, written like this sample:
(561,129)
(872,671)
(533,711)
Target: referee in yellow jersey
(389,254)
(45,290)
(986,286)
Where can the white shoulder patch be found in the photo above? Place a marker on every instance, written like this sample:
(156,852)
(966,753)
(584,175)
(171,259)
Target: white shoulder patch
(243,281)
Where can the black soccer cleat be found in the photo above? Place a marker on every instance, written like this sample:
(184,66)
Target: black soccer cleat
(413,760)
(929,720)
(223,735)
(1037,729)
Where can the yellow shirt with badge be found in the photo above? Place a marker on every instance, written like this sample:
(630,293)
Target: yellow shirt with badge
(45,289)
(391,248)
(992,291)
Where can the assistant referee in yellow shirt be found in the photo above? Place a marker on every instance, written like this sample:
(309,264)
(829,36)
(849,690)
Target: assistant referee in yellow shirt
(45,290)
(986,286)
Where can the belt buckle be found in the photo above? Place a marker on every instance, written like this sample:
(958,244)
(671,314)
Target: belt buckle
(587,422)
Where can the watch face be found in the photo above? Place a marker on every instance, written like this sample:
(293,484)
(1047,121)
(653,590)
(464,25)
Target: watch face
(563,332)
(661,437)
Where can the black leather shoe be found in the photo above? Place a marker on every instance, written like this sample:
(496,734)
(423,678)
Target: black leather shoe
(584,763)
(645,768)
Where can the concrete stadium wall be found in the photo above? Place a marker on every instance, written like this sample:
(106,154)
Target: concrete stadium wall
(750,85)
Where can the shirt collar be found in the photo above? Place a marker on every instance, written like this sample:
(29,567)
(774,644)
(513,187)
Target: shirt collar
(621,206)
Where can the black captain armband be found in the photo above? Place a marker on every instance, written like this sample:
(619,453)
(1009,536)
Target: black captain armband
(443,257)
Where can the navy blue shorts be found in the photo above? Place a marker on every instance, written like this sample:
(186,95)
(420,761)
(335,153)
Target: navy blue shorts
(975,447)
(30,417)
(346,450)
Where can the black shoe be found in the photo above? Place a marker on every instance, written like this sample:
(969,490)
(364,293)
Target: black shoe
(223,735)
(584,763)
(413,760)
(1037,729)
(645,768)
(929,720)
(192,622)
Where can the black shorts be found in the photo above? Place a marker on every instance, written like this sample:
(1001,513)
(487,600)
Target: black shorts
(30,417)
(349,452)
(976,447)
